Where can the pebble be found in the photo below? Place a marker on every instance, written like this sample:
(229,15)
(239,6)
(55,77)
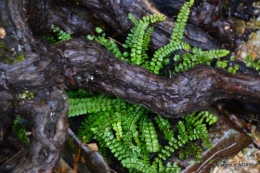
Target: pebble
(252,46)
(247,160)
(240,154)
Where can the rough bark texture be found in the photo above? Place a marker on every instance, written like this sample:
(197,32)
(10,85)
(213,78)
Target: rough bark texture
(34,87)
(174,97)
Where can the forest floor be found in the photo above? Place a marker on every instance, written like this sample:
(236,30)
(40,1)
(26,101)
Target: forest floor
(247,160)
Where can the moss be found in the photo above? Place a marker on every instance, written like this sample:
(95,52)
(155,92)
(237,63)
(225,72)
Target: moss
(9,59)
(1,44)
(4,24)
(26,95)
(20,132)
(19,58)
(6,54)
(19,129)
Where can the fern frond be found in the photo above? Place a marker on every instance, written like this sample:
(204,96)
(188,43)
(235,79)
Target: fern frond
(149,135)
(180,23)
(101,102)
(197,127)
(195,57)
(164,126)
(136,44)
(111,45)
(130,123)
(116,147)
(191,150)
(118,129)
(126,131)
(137,40)
(80,93)
(133,19)
(146,41)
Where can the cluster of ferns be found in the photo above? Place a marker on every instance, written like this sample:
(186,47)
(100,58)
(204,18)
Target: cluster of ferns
(131,136)
(124,128)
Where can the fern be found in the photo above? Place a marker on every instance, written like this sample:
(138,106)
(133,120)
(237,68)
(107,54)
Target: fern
(165,127)
(127,132)
(19,129)
(136,45)
(50,39)
(80,93)
(159,57)
(191,129)
(197,129)
(196,56)
(252,63)
(62,35)
(96,103)
(120,133)
(112,46)
(138,36)
(149,135)
(118,129)
(180,23)
(191,150)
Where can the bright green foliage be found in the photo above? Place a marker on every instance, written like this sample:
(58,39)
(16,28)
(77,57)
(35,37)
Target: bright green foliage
(149,135)
(131,136)
(124,128)
(197,126)
(98,30)
(224,64)
(180,23)
(117,130)
(159,58)
(164,126)
(50,39)
(251,63)
(117,127)
(234,69)
(20,130)
(97,103)
(193,127)
(62,35)
(109,43)
(139,38)
(136,45)
(195,57)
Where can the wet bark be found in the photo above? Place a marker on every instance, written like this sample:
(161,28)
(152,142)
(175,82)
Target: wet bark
(34,88)
(183,93)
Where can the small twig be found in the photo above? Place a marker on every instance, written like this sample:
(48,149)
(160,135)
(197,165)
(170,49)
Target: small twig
(76,161)
(113,170)
(115,41)
(126,29)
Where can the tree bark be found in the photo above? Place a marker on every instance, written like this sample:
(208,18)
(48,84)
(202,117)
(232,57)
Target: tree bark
(34,88)
(180,95)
